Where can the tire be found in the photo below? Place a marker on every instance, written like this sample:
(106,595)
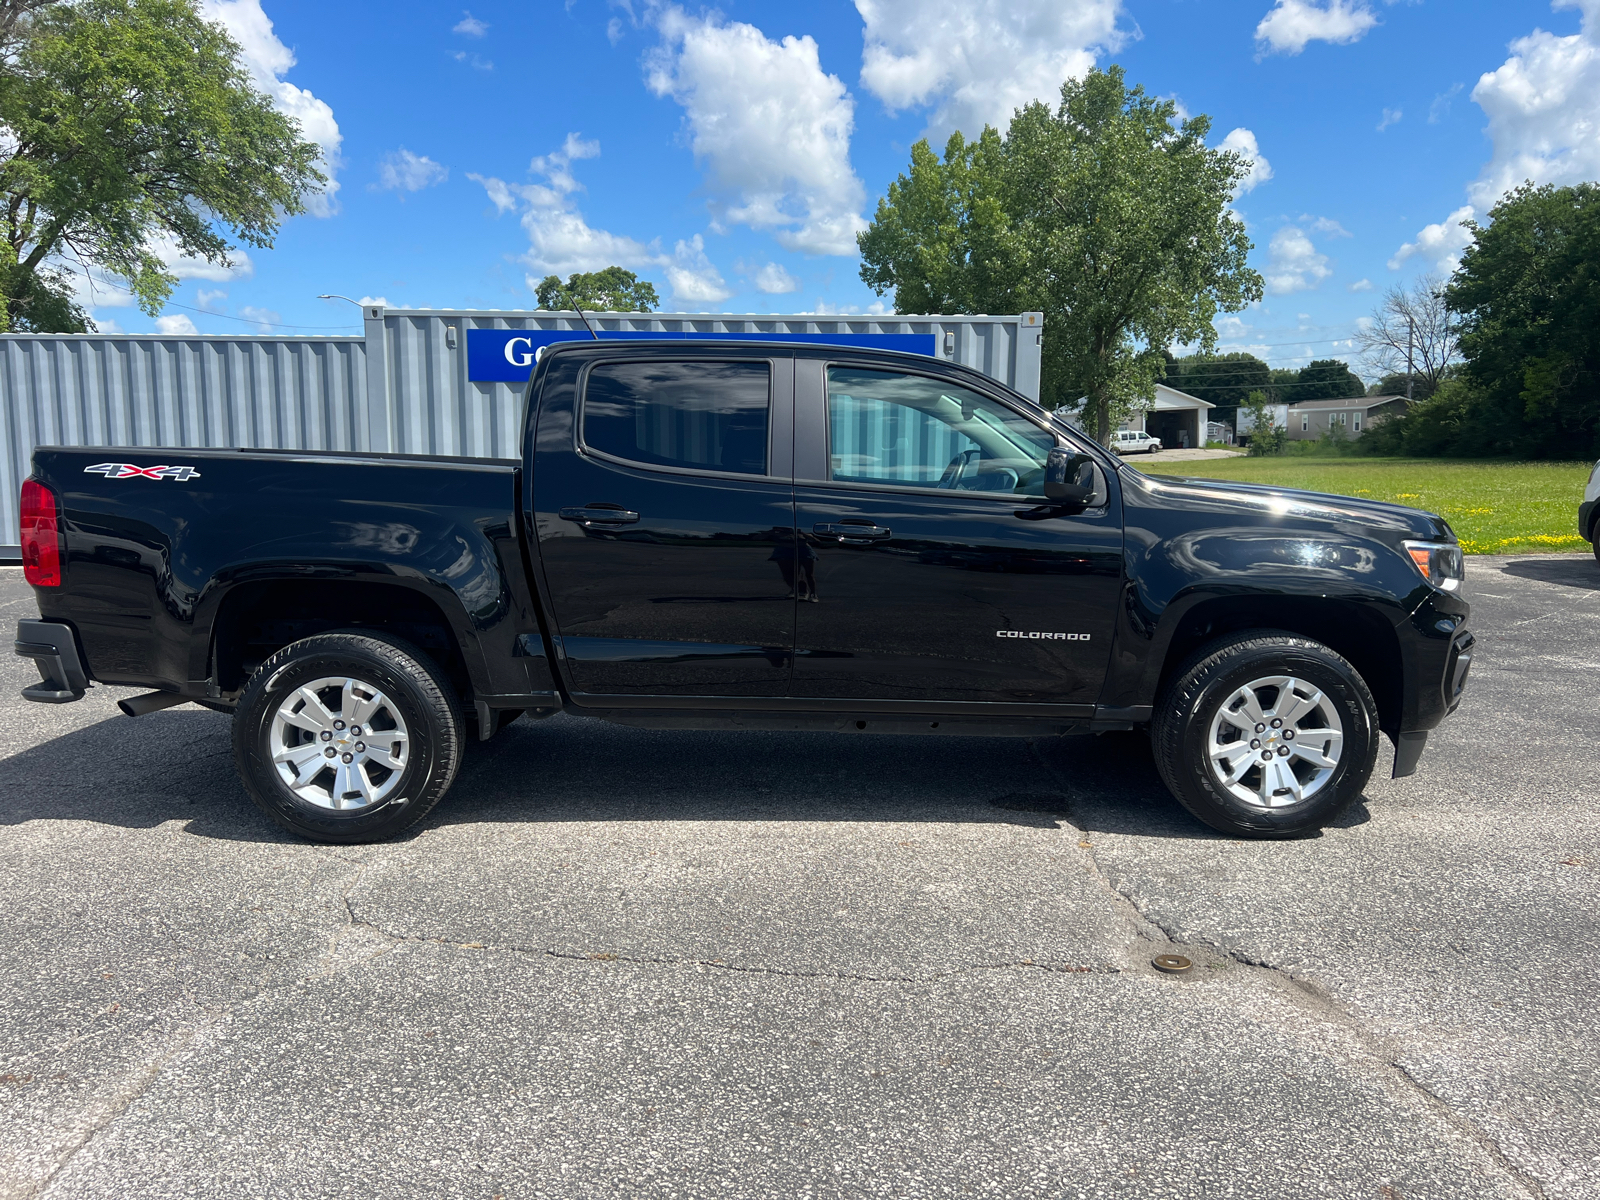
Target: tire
(414,704)
(1328,759)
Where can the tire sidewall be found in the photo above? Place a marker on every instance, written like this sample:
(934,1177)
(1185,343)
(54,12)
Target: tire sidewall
(1338,681)
(276,681)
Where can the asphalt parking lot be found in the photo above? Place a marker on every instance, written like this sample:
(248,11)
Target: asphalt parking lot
(627,963)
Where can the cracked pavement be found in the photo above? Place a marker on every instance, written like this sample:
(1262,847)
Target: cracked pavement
(628,963)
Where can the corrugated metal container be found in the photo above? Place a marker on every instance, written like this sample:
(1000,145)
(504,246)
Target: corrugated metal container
(92,390)
(422,395)
(404,386)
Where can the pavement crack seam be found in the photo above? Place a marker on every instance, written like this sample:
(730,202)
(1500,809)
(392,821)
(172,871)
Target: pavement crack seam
(1304,994)
(1321,1004)
(119,1103)
(718,965)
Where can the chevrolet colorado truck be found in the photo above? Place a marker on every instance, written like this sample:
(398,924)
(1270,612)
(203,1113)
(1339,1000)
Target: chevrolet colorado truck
(752,536)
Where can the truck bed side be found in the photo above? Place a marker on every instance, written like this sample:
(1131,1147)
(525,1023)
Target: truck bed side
(185,581)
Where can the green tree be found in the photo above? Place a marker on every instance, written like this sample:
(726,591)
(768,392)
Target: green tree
(1225,380)
(134,132)
(1325,379)
(1528,295)
(1266,435)
(942,239)
(610,290)
(1104,214)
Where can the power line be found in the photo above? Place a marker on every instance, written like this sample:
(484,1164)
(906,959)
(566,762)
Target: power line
(248,320)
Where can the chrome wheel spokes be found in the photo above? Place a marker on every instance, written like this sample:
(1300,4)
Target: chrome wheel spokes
(339,743)
(1275,741)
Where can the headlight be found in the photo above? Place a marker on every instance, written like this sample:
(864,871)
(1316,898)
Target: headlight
(1441,563)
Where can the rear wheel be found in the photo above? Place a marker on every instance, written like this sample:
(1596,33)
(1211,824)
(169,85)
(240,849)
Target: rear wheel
(347,737)
(1266,735)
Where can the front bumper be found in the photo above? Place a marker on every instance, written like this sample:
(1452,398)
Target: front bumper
(1437,651)
(54,650)
(1586,522)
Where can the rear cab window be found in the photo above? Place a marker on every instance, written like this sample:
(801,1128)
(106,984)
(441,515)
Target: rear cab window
(693,416)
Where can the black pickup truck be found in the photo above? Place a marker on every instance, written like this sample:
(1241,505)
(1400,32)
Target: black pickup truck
(754,536)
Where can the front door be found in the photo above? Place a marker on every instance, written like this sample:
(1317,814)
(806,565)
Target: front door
(932,567)
(664,513)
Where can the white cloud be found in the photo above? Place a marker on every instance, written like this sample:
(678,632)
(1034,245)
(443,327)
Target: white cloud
(185,268)
(264,318)
(1440,245)
(381,301)
(1243,143)
(560,241)
(1440,108)
(476,61)
(977,61)
(1293,263)
(1293,23)
(211,299)
(1326,225)
(470,26)
(402,171)
(178,325)
(268,60)
(1391,116)
(771,127)
(106,324)
(1361,285)
(691,276)
(773,279)
(1543,105)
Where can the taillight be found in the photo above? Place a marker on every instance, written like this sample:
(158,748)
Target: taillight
(41,535)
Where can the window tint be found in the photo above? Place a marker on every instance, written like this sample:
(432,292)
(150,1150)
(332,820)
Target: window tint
(701,415)
(914,431)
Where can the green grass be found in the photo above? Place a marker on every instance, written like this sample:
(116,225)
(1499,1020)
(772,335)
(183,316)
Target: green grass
(1494,507)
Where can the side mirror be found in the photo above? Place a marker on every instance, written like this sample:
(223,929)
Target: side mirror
(1063,474)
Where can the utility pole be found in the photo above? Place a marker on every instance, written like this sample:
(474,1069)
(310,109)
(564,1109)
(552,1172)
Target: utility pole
(1411,341)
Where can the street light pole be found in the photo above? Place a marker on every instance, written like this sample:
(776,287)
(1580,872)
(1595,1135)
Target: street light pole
(336,296)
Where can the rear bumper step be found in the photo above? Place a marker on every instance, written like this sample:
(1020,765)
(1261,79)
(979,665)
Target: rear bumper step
(54,651)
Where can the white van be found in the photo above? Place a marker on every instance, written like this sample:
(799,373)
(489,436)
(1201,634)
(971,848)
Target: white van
(1134,441)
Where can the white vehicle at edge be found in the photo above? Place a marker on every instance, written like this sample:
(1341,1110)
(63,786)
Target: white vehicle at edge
(1134,441)
(1589,511)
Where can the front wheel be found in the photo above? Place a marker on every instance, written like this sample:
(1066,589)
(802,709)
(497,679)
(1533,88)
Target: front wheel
(1266,735)
(347,737)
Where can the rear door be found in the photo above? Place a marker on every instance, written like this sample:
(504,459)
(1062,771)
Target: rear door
(931,566)
(664,514)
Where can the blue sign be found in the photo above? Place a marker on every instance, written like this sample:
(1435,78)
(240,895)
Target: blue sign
(508,355)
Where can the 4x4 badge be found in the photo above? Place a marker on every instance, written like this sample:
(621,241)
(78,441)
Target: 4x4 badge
(129,471)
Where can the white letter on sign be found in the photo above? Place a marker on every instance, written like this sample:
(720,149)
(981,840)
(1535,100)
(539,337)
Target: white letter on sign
(519,360)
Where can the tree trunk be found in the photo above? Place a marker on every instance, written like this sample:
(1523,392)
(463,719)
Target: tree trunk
(1102,419)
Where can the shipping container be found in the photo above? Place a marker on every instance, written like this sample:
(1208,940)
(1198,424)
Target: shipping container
(422,381)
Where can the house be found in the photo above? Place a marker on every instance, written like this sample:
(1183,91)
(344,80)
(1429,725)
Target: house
(1312,419)
(1173,416)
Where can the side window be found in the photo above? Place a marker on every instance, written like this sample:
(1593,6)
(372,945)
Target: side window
(910,430)
(703,416)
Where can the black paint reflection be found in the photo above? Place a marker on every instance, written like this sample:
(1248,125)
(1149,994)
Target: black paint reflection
(916,614)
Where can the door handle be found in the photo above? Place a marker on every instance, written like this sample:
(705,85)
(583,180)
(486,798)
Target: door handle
(851,533)
(596,514)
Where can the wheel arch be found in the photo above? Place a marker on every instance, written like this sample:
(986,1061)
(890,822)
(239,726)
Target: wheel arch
(1352,630)
(254,619)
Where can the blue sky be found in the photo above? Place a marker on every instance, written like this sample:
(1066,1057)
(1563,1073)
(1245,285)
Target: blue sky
(730,153)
